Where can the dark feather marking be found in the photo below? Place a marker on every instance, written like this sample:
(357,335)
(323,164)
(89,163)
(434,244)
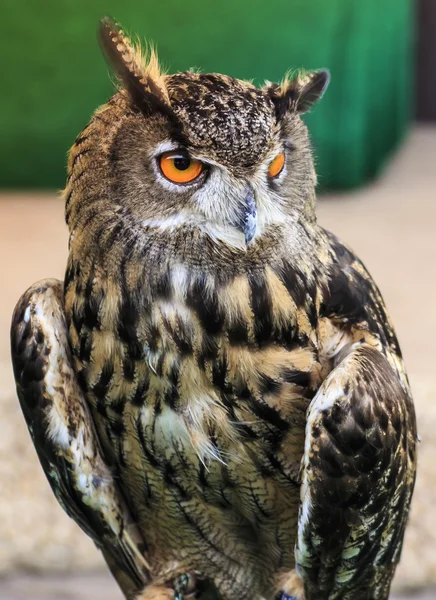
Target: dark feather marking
(82,137)
(268,414)
(101,387)
(244,393)
(206,305)
(68,199)
(79,175)
(261,304)
(72,273)
(153,338)
(280,101)
(39,336)
(93,303)
(343,300)
(31,394)
(230,404)
(276,465)
(152,459)
(34,370)
(300,378)
(259,506)
(354,297)
(127,325)
(138,398)
(202,474)
(22,341)
(312,313)
(102,410)
(162,286)
(85,347)
(181,334)
(294,283)
(245,430)
(238,333)
(171,480)
(209,350)
(129,368)
(82,378)
(117,427)
(171,397)
(159,365)
(113,232)
(79,155)
(219,374)
(287,336)
(268,385)
(118,405)
(77,315)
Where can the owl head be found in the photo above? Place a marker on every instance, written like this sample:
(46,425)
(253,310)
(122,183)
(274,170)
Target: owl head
(194,150)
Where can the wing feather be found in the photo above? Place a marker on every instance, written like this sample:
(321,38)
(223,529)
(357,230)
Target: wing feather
(63,433)
(357,479)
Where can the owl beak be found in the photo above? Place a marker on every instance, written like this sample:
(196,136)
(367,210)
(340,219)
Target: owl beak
(249,218)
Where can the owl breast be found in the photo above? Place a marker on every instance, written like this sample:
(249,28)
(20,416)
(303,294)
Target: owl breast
(199,388)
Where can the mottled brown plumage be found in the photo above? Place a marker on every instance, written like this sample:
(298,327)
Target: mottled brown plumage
(247,390)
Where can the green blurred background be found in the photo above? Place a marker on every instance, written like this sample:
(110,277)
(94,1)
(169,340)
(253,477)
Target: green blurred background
(54,75)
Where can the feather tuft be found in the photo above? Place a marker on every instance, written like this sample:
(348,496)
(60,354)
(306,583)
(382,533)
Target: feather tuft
(137,67)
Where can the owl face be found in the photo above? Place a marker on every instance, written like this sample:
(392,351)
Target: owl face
(207,150)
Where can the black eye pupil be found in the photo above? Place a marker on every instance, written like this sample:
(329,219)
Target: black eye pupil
(182,163)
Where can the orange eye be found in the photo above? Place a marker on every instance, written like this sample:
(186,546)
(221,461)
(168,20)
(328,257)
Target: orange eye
(179,168)
(277,165)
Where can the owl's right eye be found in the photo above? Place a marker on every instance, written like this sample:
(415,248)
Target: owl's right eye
(180,168)
(276,166)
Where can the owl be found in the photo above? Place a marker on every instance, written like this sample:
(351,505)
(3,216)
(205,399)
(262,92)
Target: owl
(215,392)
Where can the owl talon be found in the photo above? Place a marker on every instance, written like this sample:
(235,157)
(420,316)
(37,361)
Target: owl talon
(184,585)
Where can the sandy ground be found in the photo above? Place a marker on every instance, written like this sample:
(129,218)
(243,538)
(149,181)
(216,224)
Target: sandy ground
(391,225)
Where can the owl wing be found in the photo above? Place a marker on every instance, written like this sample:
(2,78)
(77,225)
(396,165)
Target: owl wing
(357,479)
(63,433)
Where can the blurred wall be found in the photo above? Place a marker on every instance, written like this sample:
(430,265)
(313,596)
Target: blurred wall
(426,61)
(53,75)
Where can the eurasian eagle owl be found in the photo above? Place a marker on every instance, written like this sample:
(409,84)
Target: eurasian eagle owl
(215,392)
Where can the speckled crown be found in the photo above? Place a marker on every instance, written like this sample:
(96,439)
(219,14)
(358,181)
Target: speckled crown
(231,119)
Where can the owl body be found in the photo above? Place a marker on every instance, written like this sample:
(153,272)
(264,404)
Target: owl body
(200,363)
(245,385)
(204,406)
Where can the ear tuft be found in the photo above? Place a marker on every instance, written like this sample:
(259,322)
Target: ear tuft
(298,93)
(139,73)
(312,89)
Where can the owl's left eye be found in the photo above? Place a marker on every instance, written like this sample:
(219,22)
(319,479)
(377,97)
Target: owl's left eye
(276,165)
(180,168)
